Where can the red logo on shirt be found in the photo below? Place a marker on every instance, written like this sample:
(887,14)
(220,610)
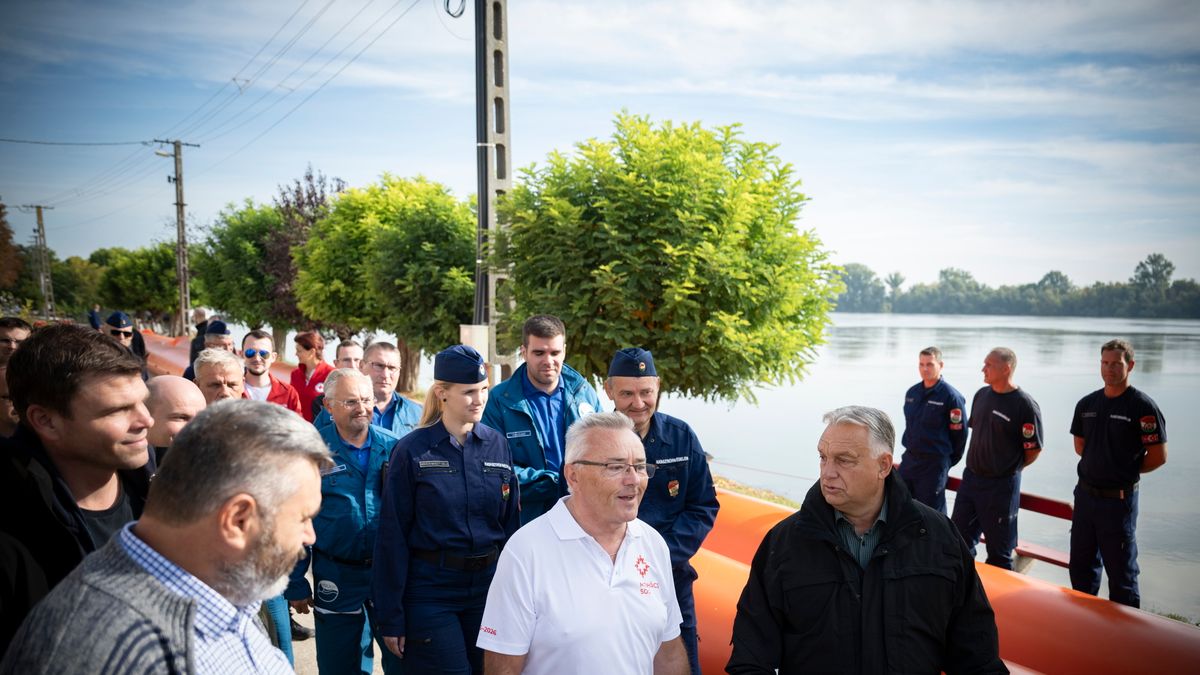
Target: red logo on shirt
(1027,430)
(641,566)
(956,416)
(504,490)
(487,629)
(1149,424)
(1149,439)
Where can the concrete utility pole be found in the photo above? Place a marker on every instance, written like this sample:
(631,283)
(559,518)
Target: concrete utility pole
(493,168)
(45,281)
(181,252)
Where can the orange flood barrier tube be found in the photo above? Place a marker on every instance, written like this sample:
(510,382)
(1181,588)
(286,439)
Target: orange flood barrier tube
(1043,627)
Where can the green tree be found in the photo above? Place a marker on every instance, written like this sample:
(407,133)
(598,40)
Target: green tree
(864,292)
(1152,277)
(11,262)
(230,263)
(675,238)
(76,285)
(894,281)
(141,279)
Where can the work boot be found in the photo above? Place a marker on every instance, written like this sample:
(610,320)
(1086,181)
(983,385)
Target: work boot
(301,633)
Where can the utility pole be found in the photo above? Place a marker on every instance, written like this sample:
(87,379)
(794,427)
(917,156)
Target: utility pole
(181,252)
(45,281)
(493,161)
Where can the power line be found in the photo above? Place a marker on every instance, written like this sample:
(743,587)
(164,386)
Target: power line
(76,143)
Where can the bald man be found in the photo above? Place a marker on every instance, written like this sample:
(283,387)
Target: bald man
(173,402)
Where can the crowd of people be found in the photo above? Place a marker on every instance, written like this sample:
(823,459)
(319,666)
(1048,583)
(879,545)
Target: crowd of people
(170,524)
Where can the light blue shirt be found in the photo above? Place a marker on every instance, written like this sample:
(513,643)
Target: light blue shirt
(225,637)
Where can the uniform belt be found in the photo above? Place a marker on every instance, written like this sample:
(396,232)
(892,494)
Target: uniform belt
(469,563)
(366,562)
(1109,493)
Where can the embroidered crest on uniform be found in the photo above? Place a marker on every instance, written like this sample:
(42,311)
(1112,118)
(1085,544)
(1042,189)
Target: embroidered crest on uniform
(320,388)
(504,490)
(673,488)
(956,416)
(1027,430)
(1149,439)
(1149,424)
(641,566)
(327,591)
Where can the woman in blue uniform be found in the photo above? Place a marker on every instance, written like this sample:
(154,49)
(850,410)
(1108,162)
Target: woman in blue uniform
(449,505)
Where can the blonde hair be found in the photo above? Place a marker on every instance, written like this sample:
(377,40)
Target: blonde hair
(432,412)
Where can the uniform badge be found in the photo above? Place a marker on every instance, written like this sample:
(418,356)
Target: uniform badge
(641,566)
(327,591)
(482,372)
(320,388)
(641,366)
(1149,424)
(504,490)
(956,416)
(1027,430)
(673,488)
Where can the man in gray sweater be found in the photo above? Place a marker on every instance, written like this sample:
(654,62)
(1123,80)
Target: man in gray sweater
(178,591)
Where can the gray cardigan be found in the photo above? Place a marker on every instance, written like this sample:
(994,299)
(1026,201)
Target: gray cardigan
(108,616)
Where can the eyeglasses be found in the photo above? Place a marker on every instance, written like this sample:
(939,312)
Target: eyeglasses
(616,469)
(352,403)
(121,333)
(384,367)
(264,353)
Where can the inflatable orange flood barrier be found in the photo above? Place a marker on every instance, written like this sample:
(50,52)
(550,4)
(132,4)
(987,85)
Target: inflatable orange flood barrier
(1043,628)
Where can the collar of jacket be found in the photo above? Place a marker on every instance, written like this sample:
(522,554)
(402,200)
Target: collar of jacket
(512,397)
(817,517)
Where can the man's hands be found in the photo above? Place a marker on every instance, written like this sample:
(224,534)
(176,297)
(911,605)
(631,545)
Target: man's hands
(395,645)
(301,606)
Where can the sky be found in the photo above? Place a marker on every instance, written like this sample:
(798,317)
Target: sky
(1004,138)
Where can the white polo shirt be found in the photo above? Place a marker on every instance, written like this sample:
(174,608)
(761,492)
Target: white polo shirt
(558,598)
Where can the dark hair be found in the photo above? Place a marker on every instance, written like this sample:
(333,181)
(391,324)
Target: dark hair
(15,322)
(259,335)
(543,326)
(380,346)
(343,345)
(311,339)
(53,363)
(1118,345)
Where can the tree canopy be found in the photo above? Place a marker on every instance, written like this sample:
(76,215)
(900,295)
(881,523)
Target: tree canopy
(676,238)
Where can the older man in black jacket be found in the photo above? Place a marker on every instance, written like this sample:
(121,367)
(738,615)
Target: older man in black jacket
(863,579)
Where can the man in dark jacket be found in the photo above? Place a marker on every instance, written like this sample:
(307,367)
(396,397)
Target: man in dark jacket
(77,468)
(863,579)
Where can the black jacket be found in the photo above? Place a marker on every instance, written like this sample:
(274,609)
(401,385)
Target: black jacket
(918,607)
(38,510)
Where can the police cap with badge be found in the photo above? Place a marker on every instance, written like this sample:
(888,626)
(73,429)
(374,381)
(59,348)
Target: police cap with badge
(459,364)
(632,362)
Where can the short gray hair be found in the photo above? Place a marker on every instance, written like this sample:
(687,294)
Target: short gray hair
(336,376)
(879,427)
(217,357)
(576,435)
(233,447)
(1006,355)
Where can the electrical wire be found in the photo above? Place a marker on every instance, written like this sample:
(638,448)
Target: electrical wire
(73,143)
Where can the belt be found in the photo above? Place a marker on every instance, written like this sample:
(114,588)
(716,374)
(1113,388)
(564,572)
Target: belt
(366,562)
(1109,493)
(469,563)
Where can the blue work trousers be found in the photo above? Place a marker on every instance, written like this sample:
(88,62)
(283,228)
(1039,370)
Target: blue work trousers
(1103,529)
(344,620)
(277,607)
(687,608)
(443,609)
(989,506)
(925,476)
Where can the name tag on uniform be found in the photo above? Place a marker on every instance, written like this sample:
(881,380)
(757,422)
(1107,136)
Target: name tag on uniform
(936,402)
(497,465)
(1120,417)
(518,434)
(434,464)
(337,469)
(672,460)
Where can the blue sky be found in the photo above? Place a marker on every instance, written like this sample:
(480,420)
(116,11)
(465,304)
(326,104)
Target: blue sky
(1005,138)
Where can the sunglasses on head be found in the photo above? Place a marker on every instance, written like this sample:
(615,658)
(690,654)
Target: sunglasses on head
(265,353)
(120,333)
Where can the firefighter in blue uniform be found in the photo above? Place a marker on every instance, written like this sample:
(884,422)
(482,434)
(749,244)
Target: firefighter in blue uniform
(346,530)
(450,504)
(534,408)
(680,500)
(391,411)
(935,432)
(1119,435)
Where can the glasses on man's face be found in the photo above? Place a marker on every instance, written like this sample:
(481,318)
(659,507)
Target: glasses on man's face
(121,333)
(264,353)
(384,368)
(352,403)
(618,469)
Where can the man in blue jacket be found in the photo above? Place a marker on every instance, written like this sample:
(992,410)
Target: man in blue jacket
(680,500)
(390,411)
(533,409)
(935,431)
(351,495)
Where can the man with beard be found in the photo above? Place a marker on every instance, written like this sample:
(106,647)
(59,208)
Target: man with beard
(179,590)
(258,349)
(346,528)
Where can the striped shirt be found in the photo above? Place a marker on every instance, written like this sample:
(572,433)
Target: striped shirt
(861,548)
(226,639)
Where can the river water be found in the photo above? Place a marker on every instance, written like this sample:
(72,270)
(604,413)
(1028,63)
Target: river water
(871,359)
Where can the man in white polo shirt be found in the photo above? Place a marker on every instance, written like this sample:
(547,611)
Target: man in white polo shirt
(587,588)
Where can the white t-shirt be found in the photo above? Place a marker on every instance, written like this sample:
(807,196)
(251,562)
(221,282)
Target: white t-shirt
(258,393)
(559,599)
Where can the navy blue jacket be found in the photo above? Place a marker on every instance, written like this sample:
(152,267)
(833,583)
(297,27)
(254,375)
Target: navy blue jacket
(440,498)
(935,421)
(680,500)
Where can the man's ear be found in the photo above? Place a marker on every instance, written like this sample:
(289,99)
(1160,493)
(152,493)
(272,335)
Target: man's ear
(885,464)
(45,422)
(570,473)
(239,521)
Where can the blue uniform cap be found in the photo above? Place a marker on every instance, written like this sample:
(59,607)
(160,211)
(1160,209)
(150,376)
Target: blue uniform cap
(119,320)
(632,362)
(217,328)
(459,364)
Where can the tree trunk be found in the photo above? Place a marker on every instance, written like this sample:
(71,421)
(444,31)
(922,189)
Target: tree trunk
(410,367)
(279,336)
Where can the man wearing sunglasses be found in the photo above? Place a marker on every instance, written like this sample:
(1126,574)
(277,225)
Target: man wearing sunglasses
(120,326)
(258,350)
